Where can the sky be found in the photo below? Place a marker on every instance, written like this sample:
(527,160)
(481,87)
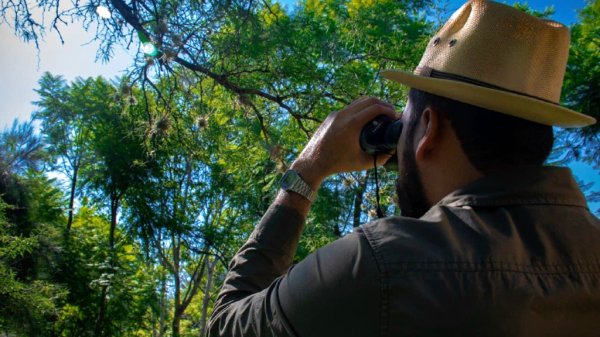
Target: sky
(566,10)
(21,65)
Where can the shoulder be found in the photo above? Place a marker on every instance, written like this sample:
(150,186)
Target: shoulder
(467,237)
(333,283)
(442,234)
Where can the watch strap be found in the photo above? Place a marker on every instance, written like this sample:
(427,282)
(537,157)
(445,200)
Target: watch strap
(292,181)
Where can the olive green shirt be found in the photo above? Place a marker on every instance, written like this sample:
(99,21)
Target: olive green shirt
(515,253)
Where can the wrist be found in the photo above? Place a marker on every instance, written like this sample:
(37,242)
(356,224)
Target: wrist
(308,173)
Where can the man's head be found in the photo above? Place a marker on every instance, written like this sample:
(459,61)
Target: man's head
(485,97)
(447,144)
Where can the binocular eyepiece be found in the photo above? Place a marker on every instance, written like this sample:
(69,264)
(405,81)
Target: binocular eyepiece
(380,135)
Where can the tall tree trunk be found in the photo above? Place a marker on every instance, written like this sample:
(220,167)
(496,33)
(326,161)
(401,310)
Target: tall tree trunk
(207,289)
(100,318)
(72,198)
(175,324)
(114,210)
(358,200)
(177,312)
(99,326)
(163,305)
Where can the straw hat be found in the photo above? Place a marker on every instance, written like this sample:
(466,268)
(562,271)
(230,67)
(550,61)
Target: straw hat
(496,57)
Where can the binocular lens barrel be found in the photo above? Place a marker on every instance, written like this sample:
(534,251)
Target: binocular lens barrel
(380,135)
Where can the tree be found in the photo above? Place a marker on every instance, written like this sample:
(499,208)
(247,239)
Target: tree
(20,149)
(176,209)
(29,213)
(89,273)
(119,161)
(28,306)
(63,114)
(581,91)
(91,130)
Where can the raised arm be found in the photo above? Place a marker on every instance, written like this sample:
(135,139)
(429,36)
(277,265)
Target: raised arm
(249,303)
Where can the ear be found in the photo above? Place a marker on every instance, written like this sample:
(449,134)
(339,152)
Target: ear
(431,123)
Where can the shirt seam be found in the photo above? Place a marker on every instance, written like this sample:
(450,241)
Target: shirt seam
(284,319)
(546,269)
(470,201)
(384,275)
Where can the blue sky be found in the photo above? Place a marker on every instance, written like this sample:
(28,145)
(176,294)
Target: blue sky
(21,65)
(566,10)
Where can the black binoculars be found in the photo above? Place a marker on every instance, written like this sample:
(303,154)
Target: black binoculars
(381,135)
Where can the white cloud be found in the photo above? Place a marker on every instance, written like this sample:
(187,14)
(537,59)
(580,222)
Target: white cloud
(20,67)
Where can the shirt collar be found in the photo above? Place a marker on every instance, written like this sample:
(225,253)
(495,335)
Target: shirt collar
(524,185)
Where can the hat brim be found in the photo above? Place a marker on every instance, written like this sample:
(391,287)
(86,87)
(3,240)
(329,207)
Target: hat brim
(492,99)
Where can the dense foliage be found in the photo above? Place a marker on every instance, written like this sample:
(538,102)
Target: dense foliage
(159,176)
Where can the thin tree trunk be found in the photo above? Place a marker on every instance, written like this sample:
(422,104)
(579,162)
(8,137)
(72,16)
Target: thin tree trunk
(207,289)
(72,198)
(175,326)
(358,200)
(163,306)
(177,298)
(114,207)
(101,313)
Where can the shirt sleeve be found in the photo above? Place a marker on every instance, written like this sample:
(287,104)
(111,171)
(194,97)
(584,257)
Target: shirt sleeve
(323,295)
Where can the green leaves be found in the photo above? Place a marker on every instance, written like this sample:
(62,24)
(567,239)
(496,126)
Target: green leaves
(29,300)
(20,149)
(581,89)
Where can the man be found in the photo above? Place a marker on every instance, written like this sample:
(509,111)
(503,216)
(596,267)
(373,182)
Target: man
(491,243)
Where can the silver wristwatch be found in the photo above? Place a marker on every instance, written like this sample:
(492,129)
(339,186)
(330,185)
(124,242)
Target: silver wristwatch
(291,181)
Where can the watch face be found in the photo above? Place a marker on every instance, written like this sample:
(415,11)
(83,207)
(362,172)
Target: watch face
(287,180)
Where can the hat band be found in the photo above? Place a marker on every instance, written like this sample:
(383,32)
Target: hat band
(430,72)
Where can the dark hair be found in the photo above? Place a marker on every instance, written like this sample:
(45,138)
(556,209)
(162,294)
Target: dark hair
(490,140)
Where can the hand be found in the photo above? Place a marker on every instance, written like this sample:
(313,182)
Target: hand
(335,148)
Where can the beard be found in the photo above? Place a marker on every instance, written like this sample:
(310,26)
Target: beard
(409,188)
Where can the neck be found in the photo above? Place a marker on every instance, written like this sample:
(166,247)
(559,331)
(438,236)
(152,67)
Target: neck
(448,170)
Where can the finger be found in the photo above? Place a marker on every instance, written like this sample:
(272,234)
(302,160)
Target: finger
(359,100)
(357,103)
(369,113)
(364,102)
